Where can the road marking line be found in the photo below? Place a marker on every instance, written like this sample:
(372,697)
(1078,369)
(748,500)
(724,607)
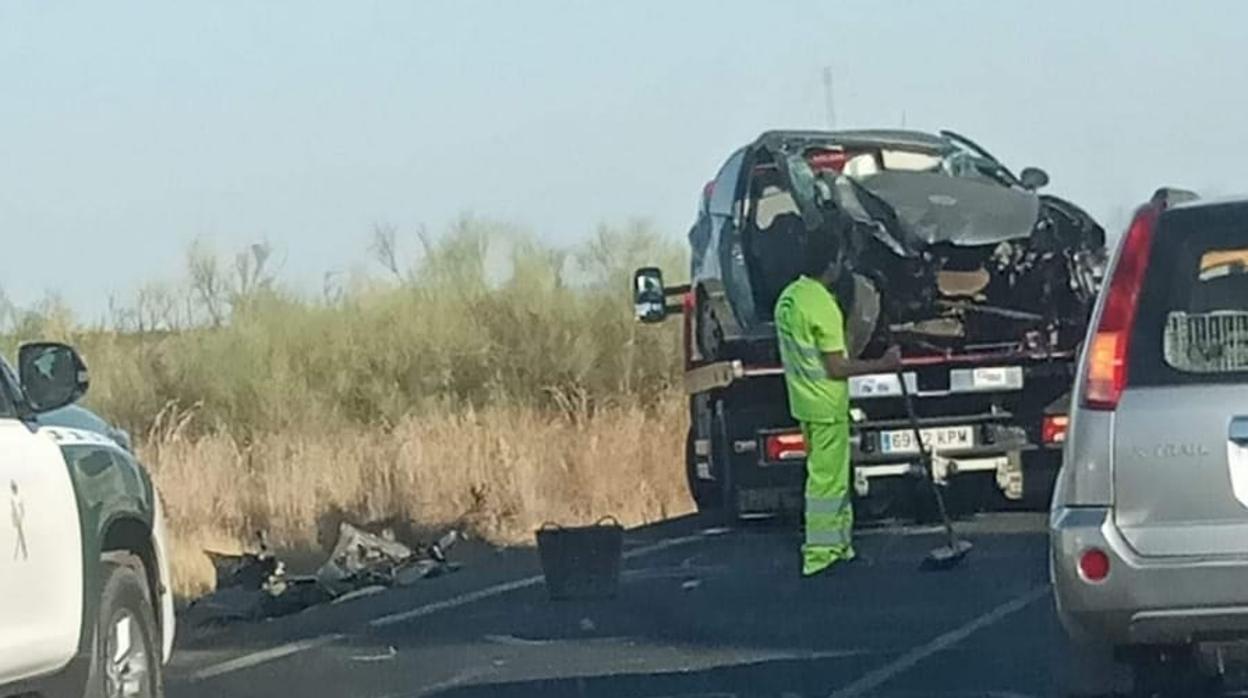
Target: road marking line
(255,658)
(872,680)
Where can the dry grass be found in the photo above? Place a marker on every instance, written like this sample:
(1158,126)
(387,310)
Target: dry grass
(498,471)
(455,390)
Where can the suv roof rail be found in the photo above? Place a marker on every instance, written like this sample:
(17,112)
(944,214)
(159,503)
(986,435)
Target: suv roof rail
(1173,196)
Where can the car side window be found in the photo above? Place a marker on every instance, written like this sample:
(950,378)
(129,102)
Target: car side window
(724,194)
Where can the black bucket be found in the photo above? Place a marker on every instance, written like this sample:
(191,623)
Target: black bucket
(581,562)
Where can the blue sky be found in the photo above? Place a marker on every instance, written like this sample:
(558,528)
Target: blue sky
(130,129)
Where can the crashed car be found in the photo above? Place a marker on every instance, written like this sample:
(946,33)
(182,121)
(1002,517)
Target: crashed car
(949,249)
(985,283)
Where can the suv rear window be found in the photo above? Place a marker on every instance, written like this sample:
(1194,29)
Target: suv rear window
(1192,324)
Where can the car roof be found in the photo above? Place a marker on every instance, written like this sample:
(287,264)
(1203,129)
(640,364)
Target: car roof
(919,140)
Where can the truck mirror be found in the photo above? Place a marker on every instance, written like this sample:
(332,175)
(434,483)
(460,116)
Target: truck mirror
(649,301)
(53,375)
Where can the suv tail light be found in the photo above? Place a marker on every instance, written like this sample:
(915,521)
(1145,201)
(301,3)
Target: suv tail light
(785,447)
(1053,428)
(1109,345)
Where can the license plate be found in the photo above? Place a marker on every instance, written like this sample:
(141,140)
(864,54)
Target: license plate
(935,438)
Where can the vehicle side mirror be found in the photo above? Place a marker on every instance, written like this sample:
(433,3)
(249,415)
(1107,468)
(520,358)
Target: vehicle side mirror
(649,301)
(1033,178)
(53,375)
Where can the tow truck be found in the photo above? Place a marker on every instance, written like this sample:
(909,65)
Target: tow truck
(985,284)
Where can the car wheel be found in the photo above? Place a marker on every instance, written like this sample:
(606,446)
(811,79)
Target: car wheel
(709,334)
(126,662)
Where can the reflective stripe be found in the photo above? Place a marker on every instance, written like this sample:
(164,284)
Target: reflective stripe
(800,361)
(836,536)
(799,349)
(829,505)
(805,372)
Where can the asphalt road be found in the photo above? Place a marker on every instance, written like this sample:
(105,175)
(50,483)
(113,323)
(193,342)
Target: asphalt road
(700,613)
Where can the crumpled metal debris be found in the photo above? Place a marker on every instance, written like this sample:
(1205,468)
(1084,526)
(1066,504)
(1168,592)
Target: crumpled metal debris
(361,559)
(254,585)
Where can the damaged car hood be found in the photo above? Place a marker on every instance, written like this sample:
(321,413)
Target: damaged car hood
(936,208)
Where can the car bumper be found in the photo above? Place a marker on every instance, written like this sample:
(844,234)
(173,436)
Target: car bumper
(1143,600)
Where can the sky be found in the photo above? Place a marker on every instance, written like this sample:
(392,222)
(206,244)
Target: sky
(128,130)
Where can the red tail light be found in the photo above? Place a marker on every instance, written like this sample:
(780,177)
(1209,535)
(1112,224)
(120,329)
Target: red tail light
(1108,347)
(785,447)
(1094,565)
(1053,428)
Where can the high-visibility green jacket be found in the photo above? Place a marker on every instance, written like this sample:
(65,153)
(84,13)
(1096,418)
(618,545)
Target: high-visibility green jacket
(808,325)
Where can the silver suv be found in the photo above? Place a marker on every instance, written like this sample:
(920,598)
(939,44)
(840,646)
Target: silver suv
(1149,523)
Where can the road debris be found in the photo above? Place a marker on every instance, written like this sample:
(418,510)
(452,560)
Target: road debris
(253,586)
(389,654)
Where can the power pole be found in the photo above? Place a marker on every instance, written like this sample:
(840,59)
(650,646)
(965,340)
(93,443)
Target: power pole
(829,102)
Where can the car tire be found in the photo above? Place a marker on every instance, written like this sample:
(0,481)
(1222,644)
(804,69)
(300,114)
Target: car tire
(709,335)
(126,654)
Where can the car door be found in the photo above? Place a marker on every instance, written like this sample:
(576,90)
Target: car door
(1180,458)
(726,207)
(40,547)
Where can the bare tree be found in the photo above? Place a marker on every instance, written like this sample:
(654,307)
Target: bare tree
(385,248)
(207,282)
(156,308)
(250,270)
(331,288)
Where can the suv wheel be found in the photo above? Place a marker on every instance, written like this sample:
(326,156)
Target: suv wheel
(126,661)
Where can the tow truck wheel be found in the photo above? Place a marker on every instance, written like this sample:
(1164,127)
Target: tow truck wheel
(721,466)
(705,493)
(126,657)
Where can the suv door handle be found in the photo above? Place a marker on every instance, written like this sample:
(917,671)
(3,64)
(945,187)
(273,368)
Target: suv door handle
(1238,430)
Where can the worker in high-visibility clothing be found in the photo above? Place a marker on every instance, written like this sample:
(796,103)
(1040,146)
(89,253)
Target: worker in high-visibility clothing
(811,332)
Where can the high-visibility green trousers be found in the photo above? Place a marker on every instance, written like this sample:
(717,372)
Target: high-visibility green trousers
(829,510)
